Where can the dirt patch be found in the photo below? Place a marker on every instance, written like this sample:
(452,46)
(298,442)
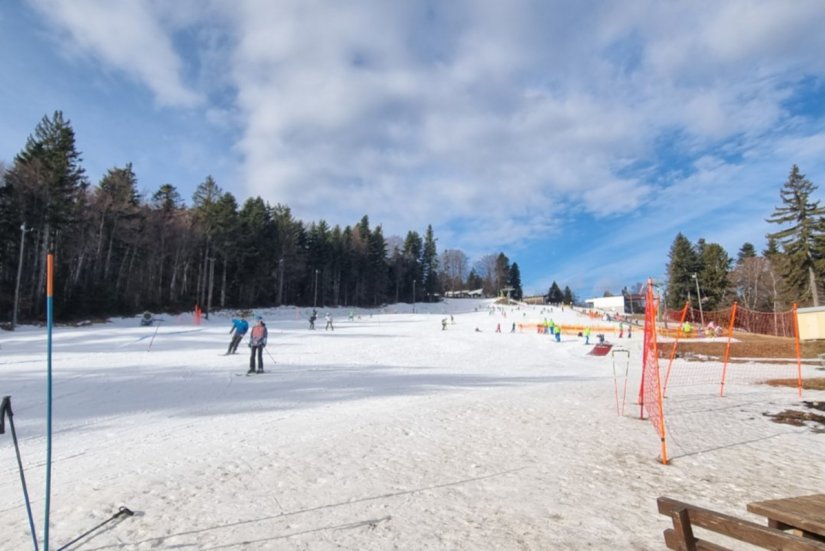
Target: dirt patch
(746,345)
(815,421)
(807,384)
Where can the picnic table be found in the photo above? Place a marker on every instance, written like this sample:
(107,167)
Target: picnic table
(805,514)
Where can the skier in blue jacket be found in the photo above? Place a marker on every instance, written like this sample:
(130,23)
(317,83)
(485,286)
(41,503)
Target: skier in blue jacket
(239,329)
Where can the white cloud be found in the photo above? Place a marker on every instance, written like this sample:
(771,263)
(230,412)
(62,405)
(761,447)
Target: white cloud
(126,36)
(496,122)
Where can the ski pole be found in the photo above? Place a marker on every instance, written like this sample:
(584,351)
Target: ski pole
(154,335)
(5,410)
(123,511)
(270,356)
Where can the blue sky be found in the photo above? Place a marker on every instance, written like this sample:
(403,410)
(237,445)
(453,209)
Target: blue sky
(577,137)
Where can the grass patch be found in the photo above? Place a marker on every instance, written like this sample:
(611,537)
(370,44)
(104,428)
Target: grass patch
(807,384)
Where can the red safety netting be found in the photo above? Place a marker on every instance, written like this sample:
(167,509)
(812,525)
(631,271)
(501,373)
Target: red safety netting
(728,363)
(650,393)
(778,324)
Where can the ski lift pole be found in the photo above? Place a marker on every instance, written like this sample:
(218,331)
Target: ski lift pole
(5,410)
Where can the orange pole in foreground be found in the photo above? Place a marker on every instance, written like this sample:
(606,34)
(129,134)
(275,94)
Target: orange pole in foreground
(798,355)
(727,349)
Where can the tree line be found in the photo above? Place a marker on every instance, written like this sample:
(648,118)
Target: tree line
(788,271)
(118,253)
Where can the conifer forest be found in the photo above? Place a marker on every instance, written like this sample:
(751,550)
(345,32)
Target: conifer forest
(117,252)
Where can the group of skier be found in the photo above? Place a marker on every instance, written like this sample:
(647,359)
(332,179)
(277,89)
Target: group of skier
(257,341)
(258,337)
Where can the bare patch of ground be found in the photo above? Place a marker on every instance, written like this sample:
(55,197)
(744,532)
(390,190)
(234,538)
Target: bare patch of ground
(815,421)
(747,345)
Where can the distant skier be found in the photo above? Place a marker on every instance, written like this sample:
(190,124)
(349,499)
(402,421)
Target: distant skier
(239,329)
(557,331)
(312,318)
(257,342)
(329,326)
(443,324)
(587,335)
(513,329)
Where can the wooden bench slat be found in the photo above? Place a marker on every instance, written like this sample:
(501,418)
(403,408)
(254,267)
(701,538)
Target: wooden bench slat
(672,541)
(685,515)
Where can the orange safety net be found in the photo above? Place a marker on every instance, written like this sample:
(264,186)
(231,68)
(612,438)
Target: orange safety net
(650,393)
(778,324)
(729,362)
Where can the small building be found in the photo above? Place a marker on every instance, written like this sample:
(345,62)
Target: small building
(811,323)
(475,293)
(607,304)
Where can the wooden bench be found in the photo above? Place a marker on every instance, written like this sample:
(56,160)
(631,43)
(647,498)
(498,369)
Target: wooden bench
(685,517)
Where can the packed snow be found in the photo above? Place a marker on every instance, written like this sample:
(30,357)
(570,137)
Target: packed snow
(387,432)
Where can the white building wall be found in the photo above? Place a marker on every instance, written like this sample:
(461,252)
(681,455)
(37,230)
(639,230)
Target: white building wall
(609,304)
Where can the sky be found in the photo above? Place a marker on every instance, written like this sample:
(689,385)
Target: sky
(576,137)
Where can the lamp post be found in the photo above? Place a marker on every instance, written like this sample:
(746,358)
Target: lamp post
(23,231)
(414,296)
(699,297)
(315,300)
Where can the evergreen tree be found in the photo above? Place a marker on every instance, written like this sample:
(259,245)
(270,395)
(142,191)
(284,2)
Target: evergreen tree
(474,281)
(502,272)
(378,267)
(568,296)
(683,264)
(413,272)
(713,279)
(803,240)
(554,295)
(46,192)
(515,281)
(429,264)
(747,251)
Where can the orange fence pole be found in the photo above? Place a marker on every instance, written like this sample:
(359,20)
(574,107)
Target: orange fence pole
(727,349)
(798,354)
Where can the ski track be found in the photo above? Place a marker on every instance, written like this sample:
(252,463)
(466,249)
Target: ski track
(387,433)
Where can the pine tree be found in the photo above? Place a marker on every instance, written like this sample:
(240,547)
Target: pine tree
(683,264)
(747,251)
(515,281)
(502,272)
(46,192)
(713,278)
(412,280)
(474,281)
(568,296)
(554,294)
(803,240)
(429,263)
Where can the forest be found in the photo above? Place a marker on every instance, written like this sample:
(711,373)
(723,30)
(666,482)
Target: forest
(119,253)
